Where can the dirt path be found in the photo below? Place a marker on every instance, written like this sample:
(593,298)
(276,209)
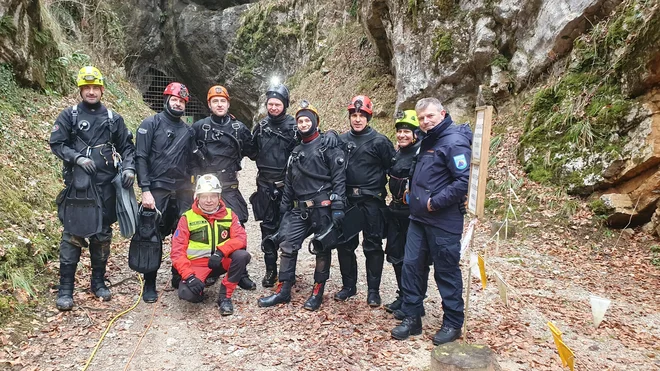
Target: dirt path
(549,285)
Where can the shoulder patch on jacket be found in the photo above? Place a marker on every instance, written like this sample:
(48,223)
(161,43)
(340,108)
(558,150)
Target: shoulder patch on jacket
(460,161)
(142,130)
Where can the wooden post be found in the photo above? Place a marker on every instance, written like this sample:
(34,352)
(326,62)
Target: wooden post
(479,161)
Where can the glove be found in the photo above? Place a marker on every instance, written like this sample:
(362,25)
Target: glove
(330,139)
(127,178)
(337,217)
(215,260)
(462,206)
(86,164)
(195,285)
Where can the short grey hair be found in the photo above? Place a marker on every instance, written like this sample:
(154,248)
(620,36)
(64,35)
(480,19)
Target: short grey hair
(425,102)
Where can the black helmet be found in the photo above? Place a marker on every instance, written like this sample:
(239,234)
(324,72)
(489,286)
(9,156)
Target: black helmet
(280,92)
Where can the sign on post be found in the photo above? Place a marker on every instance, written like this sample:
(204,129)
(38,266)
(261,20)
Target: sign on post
(479,161)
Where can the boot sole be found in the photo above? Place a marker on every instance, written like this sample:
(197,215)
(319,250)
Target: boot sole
(226,313)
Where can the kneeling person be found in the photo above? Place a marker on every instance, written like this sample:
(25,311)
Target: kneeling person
(209,241)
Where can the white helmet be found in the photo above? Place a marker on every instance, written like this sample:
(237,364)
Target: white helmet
(208,183)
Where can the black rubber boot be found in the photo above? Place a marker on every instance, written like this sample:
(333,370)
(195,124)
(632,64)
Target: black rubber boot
(176,278)
(373,298)
(374,272)
(396,304)
(316,298)
(98,254)
(345,293)
(99,289)
(281,295)
(446,335)
(270,277)
(64,300)
(149,293)
(246,283)
(409,326)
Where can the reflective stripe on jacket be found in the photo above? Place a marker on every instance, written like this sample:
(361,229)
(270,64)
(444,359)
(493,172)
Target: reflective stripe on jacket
(204,237)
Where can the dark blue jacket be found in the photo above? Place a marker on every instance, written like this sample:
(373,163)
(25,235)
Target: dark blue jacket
(442,173)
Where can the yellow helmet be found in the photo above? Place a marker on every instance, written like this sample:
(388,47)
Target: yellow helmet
(306,106)
(89,75)
(406,119)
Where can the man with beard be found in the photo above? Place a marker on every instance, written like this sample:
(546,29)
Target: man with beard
(368,158)
(273,138)
(224,141)
(165,146)
(437,190)
(94,144)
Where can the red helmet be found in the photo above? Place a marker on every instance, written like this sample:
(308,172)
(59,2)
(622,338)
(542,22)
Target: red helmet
(361,103)
(177,89)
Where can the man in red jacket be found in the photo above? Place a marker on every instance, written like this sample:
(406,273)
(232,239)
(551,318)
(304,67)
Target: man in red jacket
(208,242)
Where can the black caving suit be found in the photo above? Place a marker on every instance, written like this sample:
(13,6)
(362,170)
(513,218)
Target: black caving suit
(368,157)
(165,163)
(315,175)
(273,138)
(224,141)
(92,135)
(399,212)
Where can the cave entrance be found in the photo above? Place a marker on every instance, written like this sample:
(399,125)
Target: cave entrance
(157,81)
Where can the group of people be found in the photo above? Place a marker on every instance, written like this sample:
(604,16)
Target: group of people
(307,182)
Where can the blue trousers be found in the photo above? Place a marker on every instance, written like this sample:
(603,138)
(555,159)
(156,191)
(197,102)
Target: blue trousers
(444,250)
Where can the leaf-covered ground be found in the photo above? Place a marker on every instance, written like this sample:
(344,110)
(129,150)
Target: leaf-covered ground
(558,257)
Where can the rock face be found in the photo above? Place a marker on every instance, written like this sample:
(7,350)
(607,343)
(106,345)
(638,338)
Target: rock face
(447,49)
(27,44)
(464,52)
(239,46)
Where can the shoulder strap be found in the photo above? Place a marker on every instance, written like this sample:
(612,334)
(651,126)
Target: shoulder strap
(74,116)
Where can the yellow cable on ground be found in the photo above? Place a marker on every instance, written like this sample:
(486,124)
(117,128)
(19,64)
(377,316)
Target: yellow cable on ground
(98,344)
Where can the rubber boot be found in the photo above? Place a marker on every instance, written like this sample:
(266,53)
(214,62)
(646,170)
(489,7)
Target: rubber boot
(373,298)
(396,304)
(348,268)
(64,300)
(224,303)
(281,295)
(149,293)
(316,298)
(176,278)
(409,326)
(98,254)
(99,289)
(345,293)
(270,277)
(374,267)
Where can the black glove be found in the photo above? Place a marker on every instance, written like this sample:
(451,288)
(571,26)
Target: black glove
(337,217)
(127,178)
(195,285)
(86,164)
(215,260)
(330,139)
(461,206)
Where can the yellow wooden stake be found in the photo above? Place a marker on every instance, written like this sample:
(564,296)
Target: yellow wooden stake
(482,271)
(565,353)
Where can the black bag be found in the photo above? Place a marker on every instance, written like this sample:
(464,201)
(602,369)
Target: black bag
(260,202)
(146,250)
